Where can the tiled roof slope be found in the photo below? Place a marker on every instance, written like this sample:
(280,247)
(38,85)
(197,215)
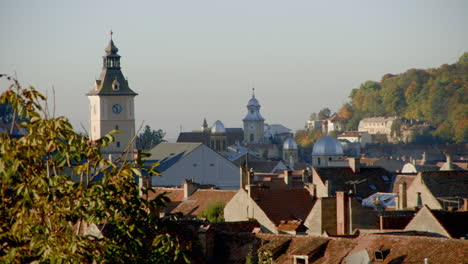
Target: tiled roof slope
(195,137)
(446,183)
(284,204)
(341,178)
(175,195)
(170,153)
(233,136)
(199,200)
(455,223)
(402,249)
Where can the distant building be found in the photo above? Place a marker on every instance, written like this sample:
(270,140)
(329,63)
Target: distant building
(253,122)
(290,154)
(209,136)
(325,150)
(179,161)
(333,123)
(363,138)
(442,223)
(111,104)
(379,127)
(436,189)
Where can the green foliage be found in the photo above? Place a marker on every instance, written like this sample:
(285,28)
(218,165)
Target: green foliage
(306,138)
(324,113)
(42,210)
(214,212)
(438,96)
(250,258)
(149,138)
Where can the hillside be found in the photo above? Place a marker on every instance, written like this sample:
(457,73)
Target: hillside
(437,96)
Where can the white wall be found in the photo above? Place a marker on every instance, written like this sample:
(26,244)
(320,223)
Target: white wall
(204,166)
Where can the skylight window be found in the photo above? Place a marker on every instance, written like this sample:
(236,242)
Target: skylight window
(385,178)
(372,186)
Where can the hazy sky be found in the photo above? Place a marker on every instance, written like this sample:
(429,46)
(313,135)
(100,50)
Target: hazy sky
(194,59)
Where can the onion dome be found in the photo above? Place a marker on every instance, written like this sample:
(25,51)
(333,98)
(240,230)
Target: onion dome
(218,128)
(289,144)
(327,146)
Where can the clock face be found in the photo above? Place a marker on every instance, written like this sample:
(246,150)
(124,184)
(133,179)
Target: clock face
(116,108)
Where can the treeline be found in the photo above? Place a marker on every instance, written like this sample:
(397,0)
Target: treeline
(437,96)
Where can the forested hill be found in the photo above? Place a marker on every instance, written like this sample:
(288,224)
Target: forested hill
(438,96)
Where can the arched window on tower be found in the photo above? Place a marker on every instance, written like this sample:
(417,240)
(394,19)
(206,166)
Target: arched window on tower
(115,85)
(251,137)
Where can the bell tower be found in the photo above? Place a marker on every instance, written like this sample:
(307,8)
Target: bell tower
(253,122)
(111,104)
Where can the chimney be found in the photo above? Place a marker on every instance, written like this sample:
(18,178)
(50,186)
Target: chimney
(355,164)
(423,161)
(306,175)
(328,188)
(449,162)
(189,188)
(342,213)
(136,154)
(288,177)
(419,201)
(402,199)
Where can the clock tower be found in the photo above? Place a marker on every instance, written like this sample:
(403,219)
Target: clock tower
(111,104)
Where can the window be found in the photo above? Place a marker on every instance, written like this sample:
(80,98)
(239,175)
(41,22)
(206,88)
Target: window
(251,137)
(116,127)
(118,144)
(385,178)
(194,164)
(372,186)
(318,161)
(211,165)
(329,158)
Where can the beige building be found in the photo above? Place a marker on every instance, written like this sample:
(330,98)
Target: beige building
(276,210)
(377,126)
(111,104)
(437,189)
(441,223)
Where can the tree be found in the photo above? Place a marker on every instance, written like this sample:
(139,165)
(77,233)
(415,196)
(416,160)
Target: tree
(324,113)
(149,138)
(313,116)
(42,210)
(213,212)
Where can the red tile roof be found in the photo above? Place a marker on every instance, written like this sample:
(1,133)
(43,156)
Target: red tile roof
(199,200)
(283,204)
(176,195)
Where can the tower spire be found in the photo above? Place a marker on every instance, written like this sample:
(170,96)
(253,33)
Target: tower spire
(111,33)
(253,92)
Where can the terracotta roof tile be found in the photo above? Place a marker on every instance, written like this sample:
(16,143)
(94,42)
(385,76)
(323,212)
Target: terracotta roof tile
(284,204)
(199,200)
(446,183)
(176,196)
(370,179)
(456,223)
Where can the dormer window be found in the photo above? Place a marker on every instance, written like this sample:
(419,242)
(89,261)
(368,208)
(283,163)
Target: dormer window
(115,85)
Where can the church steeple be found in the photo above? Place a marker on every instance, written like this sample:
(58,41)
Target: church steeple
(253,121)
(111,81)
(111,59)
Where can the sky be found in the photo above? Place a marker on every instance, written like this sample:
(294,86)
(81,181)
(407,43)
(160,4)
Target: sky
(190,60)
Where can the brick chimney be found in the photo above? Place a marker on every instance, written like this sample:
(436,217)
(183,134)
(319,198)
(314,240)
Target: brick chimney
(342,213)
(402,196)
(355,164)
(288,177)
(189,188)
